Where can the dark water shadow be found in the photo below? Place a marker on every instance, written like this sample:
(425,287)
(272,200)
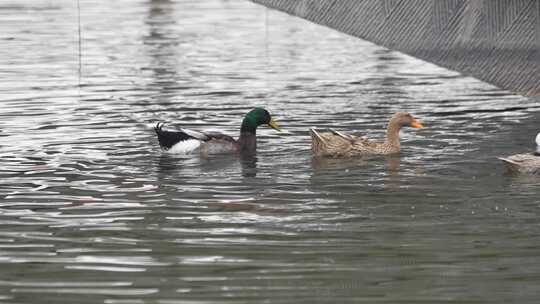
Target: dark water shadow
(322,164)
(168,163)
(179,165)
(354,177)
(249,165)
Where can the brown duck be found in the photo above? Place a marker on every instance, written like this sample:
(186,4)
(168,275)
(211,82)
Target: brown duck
(337,144)
(526,162)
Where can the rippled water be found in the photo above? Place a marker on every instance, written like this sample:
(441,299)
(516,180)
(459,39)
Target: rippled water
(93,212)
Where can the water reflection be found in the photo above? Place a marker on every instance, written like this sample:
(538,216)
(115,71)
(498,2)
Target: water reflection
(168,163)
(162,48)
(387,63)
(323,163)
(249,165)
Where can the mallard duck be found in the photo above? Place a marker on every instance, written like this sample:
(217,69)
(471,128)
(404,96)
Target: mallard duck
(337,144)
(526,162)
(186,141)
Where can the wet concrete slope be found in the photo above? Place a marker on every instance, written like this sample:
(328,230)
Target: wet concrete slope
(496,41)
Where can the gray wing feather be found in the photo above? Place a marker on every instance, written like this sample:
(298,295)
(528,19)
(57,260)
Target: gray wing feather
(196,134)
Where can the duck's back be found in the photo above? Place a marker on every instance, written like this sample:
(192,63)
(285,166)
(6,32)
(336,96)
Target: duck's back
(328,144)
(337,145)
(523,163)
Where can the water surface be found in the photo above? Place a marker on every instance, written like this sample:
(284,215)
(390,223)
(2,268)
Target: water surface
(93,212)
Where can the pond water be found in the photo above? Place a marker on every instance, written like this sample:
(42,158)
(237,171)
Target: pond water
(92,211)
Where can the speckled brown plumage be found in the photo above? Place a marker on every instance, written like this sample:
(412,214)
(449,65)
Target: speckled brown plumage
(337,144)
(523,163)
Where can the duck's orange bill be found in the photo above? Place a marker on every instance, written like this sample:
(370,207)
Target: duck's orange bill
(416,124)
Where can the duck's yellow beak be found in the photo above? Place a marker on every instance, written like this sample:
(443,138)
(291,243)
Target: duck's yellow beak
(273,124)
(416,124)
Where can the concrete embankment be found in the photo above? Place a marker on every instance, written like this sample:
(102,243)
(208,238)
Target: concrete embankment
(497,41)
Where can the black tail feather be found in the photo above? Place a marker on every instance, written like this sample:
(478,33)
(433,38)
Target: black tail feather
(167,139)
(159,126)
